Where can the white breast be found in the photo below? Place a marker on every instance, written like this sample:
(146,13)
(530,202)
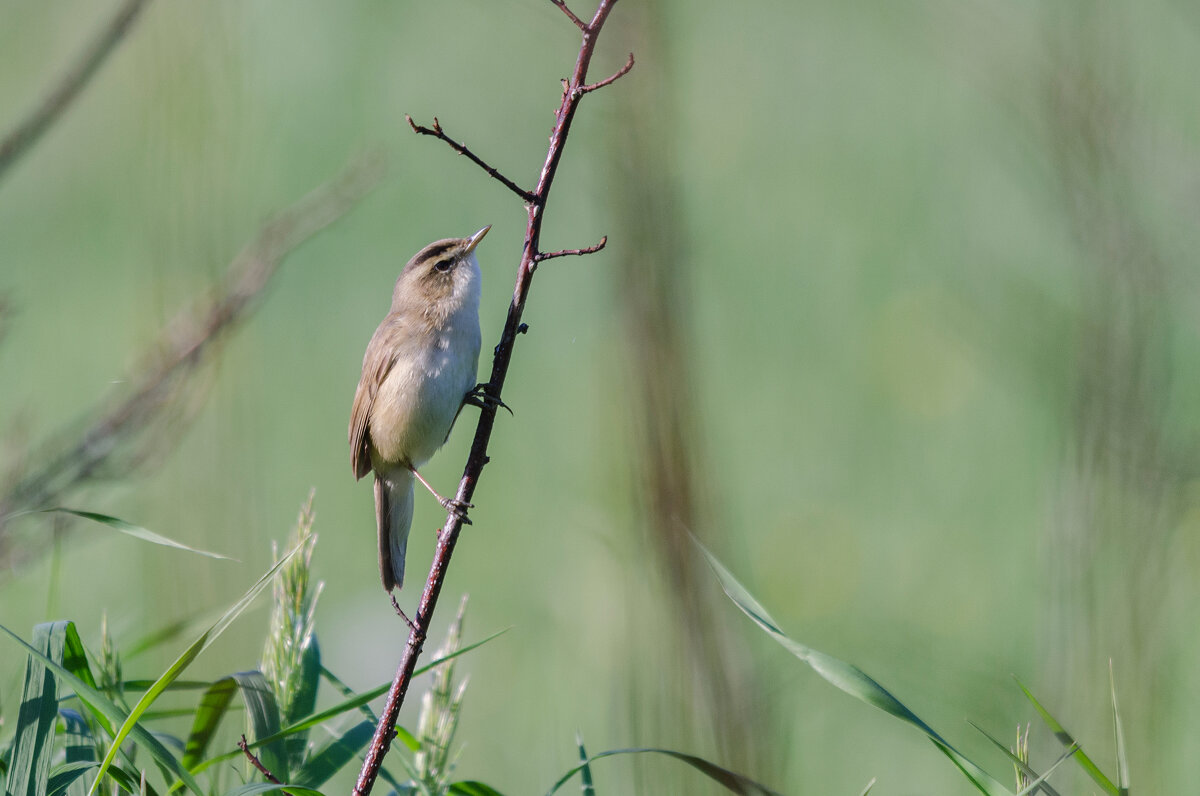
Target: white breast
(422,393)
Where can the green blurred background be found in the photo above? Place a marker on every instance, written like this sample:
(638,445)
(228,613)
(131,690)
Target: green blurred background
(898,315)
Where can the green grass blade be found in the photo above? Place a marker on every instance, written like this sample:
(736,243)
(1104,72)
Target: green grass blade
(1122,760)
(734,782)
(847,677)
(177,685)
(79,746)
(348,692)
(359,701)
(33,743)
(95,700)
(310,680)
(408,739)
(129,781)
(1067,740)
(1014,759)
(867,789)
(1039,782)
(163,635)
(77,740)
(208,715)
(169,739)
(256,788)
(304,702)
(460,651)
(185,659)
(308,723)
(401,789)
(264,721)
(66,775)
(174,713)
(136,531)
(587,786)
(473,788)
(75,661)
(327,761)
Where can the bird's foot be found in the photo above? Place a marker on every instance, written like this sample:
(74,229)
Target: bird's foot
(458,508)
(482,397)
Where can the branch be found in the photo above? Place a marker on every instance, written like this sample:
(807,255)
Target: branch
(76,456)
(579,23)
(436,132)
(26,133)
(254,761)
(608,81)
(478,458)
(541,256)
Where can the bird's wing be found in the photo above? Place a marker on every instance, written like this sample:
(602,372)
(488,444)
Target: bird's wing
(376,363)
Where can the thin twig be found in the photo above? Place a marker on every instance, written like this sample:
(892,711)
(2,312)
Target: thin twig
(478,458)
(412,626)
(541,256)
(26,133)
(608,81)
(579,23)
(436,132)
(74,457)
(254,761)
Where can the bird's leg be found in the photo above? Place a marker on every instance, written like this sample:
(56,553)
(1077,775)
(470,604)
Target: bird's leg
(449,504)
(481,397)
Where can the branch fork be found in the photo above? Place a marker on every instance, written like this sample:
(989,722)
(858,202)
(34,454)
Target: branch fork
(608,81)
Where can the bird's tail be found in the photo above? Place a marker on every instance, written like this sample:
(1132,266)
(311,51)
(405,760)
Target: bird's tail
(393,516)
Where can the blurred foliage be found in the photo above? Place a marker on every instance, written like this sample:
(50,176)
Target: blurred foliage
(70,731)
(939,310)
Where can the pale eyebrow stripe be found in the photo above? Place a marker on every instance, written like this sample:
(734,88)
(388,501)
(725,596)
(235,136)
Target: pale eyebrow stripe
(434,250)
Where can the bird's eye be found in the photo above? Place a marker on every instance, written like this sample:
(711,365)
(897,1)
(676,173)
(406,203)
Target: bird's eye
(442,266)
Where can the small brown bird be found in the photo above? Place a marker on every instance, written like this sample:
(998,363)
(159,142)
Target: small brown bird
(419,369)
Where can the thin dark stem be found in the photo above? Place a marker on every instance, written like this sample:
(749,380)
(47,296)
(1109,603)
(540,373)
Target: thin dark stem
(541,256)
(26,133)
(478,458)
(437,132)
(254,761)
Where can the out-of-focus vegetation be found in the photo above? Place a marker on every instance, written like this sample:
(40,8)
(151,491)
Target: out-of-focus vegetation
(930,275)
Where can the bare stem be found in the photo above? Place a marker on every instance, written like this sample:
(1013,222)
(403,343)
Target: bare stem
(535,206)
(437,132)
(26,133)
(254,761)
(608,81)
(579,23)
(541,256)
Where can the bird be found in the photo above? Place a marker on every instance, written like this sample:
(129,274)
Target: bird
(419,370)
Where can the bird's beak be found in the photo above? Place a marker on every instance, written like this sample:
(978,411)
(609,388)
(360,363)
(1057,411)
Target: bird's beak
(473,241)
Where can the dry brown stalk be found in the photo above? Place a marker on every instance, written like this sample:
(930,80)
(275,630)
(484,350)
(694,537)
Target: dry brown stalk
(25,133)
(77,456)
